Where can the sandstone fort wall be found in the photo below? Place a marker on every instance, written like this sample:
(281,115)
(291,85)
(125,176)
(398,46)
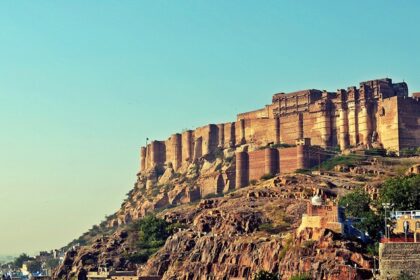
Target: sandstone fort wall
(409,122)
(269,161)
(257,164)
(379,113)
(387,121)
(257,114)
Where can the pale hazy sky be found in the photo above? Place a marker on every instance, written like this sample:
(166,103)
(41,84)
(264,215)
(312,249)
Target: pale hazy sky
(83,83)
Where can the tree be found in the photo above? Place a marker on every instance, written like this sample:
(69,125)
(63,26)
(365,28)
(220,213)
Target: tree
(265,275)
(52,263)
(403,192)
(405,276)
(34,266)
(152,233)
(371,223)
(20,260)
(356,203)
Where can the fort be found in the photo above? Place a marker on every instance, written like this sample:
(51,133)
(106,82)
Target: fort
(379,113)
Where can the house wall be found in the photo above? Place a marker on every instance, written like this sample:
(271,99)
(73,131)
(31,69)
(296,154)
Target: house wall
(395,258)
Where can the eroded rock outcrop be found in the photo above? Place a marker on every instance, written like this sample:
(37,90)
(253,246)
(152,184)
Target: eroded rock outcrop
(194,255)
(106,251)
(243,232)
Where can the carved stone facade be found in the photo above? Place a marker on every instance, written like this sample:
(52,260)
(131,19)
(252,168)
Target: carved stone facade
(379,113)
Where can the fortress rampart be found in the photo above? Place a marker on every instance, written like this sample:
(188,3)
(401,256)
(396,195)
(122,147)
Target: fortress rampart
(379,113)
(270,161)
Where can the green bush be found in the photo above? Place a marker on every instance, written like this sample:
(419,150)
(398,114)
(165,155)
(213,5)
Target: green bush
(142,255)
(214,195)
(349,160)
(172,228)
(335,149)
(265,275)
(409,152)
(361,178)
(375,152)
(286,248)
(373,249)
(308,243)
(282,145)
(269,228)
(405,276)
(267,176)
(152,233)
(300,277)
(303,171)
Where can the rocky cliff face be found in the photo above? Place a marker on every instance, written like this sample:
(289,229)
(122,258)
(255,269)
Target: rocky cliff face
(189,255)
(106,251)
(238,233)
(230,237)
(157,189)
(241,233)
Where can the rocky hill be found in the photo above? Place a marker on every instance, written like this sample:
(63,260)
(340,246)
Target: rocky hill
(237,232)
(230,196)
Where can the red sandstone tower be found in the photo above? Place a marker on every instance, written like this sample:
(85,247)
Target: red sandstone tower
(242,172)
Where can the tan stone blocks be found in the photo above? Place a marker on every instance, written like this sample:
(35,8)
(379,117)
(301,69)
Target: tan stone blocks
(379,111)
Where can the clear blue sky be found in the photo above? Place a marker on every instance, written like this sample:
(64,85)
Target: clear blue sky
(83,83)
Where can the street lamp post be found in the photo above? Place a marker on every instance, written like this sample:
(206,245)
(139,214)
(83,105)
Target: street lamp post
(386,206)
(374,267)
